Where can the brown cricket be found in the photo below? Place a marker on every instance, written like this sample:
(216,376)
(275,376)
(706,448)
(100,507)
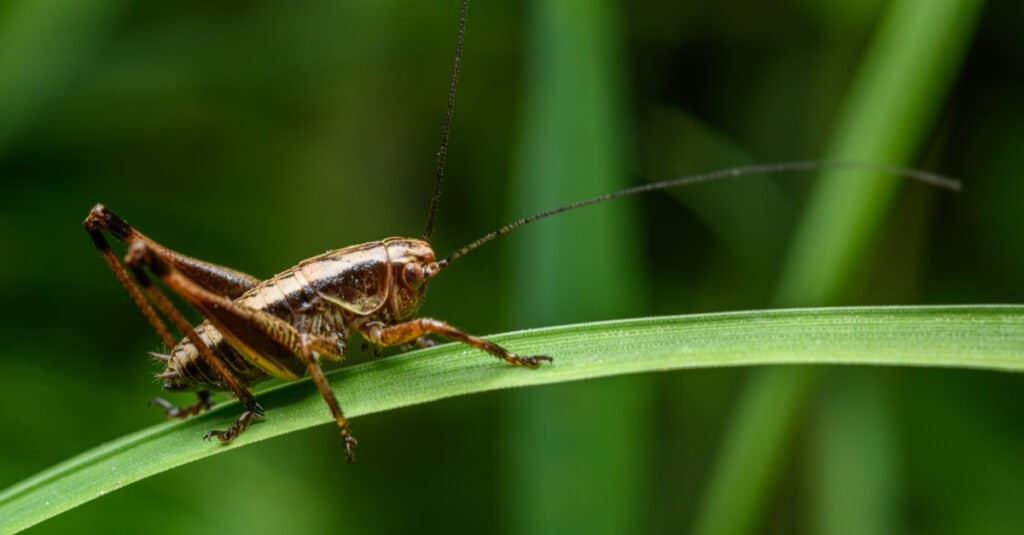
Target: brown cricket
(282,326)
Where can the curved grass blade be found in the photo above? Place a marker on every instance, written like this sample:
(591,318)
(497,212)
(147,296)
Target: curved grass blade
(898,92)
(573,141)
(980,336)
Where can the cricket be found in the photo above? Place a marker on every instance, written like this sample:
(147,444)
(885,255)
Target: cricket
(284,326)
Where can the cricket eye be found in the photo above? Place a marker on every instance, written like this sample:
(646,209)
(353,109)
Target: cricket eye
(413,275)
(431,270)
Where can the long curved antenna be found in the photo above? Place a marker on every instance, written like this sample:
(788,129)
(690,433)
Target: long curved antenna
(442,152)
(926,177)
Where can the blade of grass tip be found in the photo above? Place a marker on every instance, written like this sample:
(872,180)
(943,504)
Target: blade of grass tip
(42,43)
(979,336)
(579,267)
(911,63)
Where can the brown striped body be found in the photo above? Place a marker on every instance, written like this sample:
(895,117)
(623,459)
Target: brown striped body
(327,296)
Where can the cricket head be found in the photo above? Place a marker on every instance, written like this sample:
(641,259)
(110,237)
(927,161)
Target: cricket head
(412,264)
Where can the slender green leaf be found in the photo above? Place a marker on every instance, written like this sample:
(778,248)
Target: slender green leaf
(571,147)
(854,469)
(903,80)
(987,337)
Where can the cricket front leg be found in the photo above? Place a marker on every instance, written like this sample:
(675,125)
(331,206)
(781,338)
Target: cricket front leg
(401,333)
(421,342)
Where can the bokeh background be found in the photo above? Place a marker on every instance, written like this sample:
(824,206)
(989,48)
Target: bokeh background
(257,133)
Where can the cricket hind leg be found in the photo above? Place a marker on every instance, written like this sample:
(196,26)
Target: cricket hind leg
(213,277)
(93,224)
(253,410)
(231,282)
(203,402)
(412,330)
(258,330)
(175,411)
(144,305)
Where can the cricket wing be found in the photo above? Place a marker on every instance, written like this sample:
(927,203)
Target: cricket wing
(355,278)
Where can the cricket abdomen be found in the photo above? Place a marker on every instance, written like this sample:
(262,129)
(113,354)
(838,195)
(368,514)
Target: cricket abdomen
(186,370)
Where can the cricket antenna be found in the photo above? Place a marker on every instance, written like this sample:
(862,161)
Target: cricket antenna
(446,126)
(926,177)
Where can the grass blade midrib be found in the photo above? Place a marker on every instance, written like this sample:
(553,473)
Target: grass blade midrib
(980,336)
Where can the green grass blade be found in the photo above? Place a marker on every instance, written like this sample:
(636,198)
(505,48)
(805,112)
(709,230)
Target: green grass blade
(889,112)
(986,337)
(854,423)
(891,106)
(572,143)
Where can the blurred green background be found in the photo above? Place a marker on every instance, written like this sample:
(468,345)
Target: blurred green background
(258,133)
